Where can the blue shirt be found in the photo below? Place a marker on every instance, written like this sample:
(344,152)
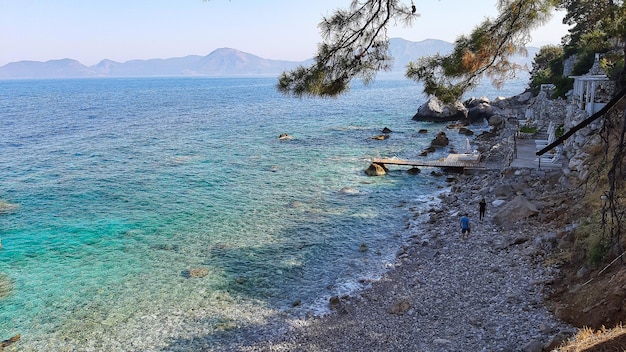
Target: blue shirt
(465,222)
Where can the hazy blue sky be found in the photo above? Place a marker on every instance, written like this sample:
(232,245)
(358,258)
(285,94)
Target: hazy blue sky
(90,31)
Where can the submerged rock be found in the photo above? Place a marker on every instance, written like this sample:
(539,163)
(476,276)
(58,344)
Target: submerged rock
(7,207)
(9,342)
(6,286)
(348,190)
(195,273)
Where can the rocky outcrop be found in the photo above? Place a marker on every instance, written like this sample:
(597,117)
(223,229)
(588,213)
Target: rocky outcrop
(474,110)
(436,111)
(480,109)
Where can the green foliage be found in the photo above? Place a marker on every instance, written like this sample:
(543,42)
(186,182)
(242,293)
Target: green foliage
(485,52)
(547,67)
(590,44)
(560,129)
(355,46)
(528,129)
(585,16)
(434,73)
(597,251)
(613,64)
(589,238)
(563,85)
(598,26)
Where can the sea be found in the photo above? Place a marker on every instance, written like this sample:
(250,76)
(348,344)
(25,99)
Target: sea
(163,214)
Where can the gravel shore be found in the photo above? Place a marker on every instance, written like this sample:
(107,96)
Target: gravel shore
(448,294)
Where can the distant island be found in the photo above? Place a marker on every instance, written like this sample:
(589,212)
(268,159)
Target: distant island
(221,62)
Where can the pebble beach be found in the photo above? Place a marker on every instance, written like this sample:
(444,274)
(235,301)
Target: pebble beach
(485,293)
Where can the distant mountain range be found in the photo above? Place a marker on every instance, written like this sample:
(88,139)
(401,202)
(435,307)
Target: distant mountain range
(220,62)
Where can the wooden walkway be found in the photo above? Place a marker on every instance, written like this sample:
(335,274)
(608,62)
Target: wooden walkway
(444,163)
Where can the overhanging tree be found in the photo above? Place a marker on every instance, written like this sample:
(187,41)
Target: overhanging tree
(485,52)
(356,46)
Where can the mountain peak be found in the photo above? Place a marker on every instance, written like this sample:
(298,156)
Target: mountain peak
(220,62)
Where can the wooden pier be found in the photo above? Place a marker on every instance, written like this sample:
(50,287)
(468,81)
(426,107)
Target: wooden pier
(456,161)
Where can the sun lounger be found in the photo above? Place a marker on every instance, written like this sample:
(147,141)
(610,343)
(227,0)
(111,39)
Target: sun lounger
(550,160)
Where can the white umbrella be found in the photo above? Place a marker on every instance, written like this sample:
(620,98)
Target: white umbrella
(468,147)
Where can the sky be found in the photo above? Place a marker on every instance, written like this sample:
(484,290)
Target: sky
(121,30)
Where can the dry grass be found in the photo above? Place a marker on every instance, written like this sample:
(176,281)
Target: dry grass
(603,340)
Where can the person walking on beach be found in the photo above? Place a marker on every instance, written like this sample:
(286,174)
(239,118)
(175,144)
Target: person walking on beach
(465,226)
(482,207)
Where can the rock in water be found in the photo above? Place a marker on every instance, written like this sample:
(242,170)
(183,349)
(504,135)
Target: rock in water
(195,272)
(6,286)
(8,342)
(376,170)
(435,111)
(441,140)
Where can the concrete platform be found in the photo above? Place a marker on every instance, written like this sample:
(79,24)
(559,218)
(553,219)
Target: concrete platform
(525,157)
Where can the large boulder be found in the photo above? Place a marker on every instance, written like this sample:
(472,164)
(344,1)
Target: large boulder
(474,102)
(517,209)
(436,111)
(480,112)
(376,170)
(496,121)
(501,102)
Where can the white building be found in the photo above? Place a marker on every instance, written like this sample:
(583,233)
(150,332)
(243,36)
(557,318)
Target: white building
(593,90)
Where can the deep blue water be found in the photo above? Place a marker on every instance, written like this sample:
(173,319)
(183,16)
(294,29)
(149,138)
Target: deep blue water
(124,185)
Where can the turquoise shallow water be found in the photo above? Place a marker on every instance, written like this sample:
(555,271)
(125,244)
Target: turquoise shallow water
(123,185)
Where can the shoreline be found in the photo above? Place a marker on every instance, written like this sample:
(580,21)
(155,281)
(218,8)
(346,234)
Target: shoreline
(445,293)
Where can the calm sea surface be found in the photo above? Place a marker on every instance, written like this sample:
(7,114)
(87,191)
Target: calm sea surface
(126,186)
